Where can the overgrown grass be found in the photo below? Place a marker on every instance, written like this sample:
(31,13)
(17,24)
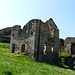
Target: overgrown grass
(62,59)
(4,45)
(64,54)
(20,64)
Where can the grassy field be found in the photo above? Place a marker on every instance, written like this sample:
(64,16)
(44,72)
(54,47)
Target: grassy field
(20,64)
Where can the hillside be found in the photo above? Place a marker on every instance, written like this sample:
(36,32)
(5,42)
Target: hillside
(21,64)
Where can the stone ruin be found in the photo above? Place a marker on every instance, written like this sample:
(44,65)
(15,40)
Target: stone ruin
(39,40)
(5,35)
(69,45)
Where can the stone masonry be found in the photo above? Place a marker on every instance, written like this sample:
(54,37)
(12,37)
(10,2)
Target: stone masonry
(69,44)
(37,39)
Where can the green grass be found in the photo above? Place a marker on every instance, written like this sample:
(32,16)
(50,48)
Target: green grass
(20,64)
(64,54)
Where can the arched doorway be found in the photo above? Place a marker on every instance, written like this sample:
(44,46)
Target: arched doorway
(73,48)
(23,48)
(13,48)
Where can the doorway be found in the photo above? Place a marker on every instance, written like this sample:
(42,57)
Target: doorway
(13,48)
(23,48)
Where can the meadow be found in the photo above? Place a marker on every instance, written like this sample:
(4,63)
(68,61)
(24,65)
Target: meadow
(21,64)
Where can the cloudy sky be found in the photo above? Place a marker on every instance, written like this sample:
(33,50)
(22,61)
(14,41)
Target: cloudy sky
(19,12)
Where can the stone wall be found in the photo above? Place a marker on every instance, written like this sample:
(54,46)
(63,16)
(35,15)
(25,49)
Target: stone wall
(6,32)
(26,40)
(68,43)
(5,35)
(4,39)
(24,36)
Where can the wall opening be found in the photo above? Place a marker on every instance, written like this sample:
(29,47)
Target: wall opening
(23,48)
(12,34)
(45,48)
(52,48)
(13,48)
(73,48)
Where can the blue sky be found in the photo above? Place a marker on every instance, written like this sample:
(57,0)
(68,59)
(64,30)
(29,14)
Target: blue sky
(19,12)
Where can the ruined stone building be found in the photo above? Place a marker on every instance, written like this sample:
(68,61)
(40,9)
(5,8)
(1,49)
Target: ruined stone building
(37,39)
(70,45)
(5,35)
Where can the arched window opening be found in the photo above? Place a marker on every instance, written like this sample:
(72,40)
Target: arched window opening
(23,48)
(45,48)
(13,48)
(52,49)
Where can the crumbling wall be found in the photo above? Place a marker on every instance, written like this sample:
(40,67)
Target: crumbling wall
(4,39)
(26,40)
(49,42)
(54,36)
(5,35)
(68,43)
(24,36)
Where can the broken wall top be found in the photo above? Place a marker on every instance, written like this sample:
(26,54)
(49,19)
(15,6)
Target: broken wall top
(69,40)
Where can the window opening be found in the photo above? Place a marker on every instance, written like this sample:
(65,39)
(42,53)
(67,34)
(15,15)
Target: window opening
(45,48)
(52,48)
